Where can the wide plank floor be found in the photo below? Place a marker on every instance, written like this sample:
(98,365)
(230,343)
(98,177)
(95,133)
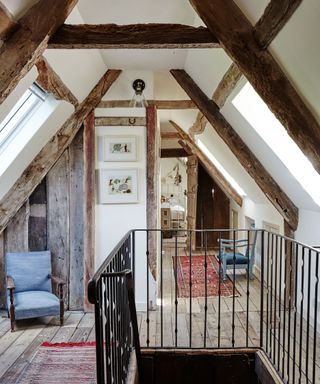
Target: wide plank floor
(228,322)
(18,348)
(177,323)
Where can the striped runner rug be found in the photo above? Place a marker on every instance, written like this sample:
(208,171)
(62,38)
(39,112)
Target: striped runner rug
(65,363)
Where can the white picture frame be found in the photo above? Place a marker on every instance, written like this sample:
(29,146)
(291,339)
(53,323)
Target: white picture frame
(118,186)
(119,148)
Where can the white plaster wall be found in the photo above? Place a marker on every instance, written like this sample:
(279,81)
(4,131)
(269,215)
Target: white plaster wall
(113,221)
(122,88)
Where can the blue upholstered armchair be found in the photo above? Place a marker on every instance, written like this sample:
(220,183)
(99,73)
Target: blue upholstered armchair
(237,254)
(29,287)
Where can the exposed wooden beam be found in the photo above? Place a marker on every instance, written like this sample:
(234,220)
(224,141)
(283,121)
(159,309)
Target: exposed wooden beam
(170,136)
(275,16)
(235,34)
(144,36)
(227,84)
(209,166)
(152,186)
(247,159)
(89,204)
(220,95)
(186,147)
(119,121)
(51,152)
(173,152)
(51,82)
(7,23)
(160,104)
(192,196)
(25,46)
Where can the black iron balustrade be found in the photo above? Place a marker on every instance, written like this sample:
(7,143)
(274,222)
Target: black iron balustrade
(111,290)
(276,311)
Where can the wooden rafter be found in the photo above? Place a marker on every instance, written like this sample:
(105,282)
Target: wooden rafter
(235,34)
(173,152)
(169,136)
(247,159)
(273,19)
(51,82)
(89,204)
(7,23)
(25,46)
(208,165)
(144,36)
(152,174)
(119,121)
(220,95)
(160,104)
(51,152)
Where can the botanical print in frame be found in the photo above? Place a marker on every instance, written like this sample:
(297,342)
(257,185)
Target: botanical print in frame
(120,148)
(118,186)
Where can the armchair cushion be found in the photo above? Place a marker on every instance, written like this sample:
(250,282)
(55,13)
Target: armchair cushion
(240,258)
(35,304)
(21,268)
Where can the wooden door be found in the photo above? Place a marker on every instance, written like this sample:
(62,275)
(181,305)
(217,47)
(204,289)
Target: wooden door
(213,209)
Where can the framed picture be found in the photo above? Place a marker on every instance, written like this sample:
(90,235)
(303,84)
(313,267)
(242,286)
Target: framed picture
(118,186)
(120,148)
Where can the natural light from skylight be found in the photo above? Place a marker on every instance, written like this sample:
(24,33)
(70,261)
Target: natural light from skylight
(258,115)
(20,113)
(218,165)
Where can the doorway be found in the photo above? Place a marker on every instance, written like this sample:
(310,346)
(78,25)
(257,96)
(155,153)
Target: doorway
(213,209)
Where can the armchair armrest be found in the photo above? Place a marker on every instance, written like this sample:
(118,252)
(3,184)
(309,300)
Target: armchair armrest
(10,283)
(57,280)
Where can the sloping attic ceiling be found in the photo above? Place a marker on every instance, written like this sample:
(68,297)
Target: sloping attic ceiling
(141,11)
(295,48)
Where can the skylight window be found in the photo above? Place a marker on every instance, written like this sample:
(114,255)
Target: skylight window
(258,115)
(218,165)
(20,113)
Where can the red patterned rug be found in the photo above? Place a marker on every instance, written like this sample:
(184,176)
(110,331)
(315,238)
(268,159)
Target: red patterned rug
(65,363)
(198,277)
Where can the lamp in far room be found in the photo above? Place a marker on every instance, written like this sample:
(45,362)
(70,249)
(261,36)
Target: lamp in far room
(138,100)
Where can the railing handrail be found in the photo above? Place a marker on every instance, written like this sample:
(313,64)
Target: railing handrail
(282,259)
(93,281)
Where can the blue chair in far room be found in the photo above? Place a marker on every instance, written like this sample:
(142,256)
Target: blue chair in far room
(237,254)
(29,287)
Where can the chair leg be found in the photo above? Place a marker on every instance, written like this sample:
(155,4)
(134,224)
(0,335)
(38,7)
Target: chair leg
(12,318)
(61,312)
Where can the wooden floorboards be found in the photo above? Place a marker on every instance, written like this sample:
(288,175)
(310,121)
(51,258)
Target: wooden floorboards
(230,322)
(18,348)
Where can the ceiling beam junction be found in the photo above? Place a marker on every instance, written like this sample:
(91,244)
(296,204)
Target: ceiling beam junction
(51,82)
(274,18)
(25,46)
(227,84)
(235,34)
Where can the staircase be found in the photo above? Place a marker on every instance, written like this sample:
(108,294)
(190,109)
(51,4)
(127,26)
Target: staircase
(265,331)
